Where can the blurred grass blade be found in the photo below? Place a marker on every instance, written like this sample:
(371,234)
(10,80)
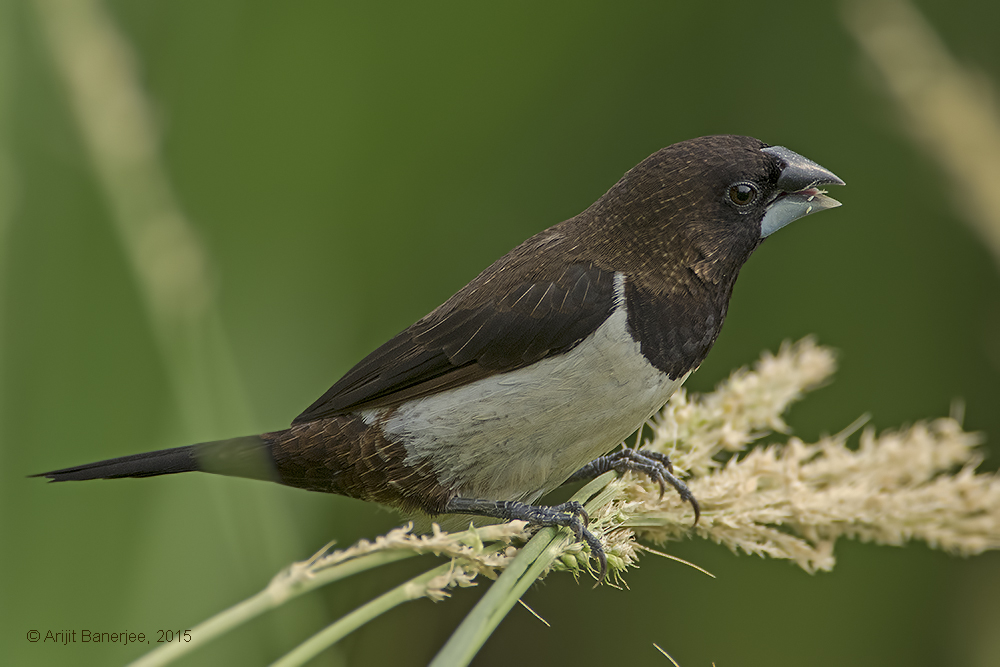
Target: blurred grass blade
(166,256)
(170,265)
(950,108)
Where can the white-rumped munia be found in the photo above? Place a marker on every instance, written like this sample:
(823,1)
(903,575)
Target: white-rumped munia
(529,375)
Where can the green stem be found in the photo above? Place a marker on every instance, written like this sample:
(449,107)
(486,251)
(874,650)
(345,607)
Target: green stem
(411,590)
(273,596)
(536,556)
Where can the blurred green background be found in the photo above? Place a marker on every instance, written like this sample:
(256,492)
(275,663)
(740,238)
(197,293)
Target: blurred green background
(346,167)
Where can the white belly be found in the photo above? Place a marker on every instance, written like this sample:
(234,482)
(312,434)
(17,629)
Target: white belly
(517,435)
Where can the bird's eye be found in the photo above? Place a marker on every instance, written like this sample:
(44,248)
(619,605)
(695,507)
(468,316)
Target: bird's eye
(742,194)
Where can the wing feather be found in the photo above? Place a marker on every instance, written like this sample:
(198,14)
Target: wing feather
(454,345)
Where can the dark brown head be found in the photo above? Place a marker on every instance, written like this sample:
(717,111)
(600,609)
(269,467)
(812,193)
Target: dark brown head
(703,205)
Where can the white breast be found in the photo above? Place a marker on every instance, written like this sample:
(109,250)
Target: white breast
(517,435)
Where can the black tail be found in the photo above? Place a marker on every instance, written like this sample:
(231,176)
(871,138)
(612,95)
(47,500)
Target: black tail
(148,464)
(249,456)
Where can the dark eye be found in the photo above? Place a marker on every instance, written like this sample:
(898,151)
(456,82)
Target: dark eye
(742,194)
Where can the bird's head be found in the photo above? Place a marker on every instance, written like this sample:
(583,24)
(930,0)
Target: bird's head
(707,203)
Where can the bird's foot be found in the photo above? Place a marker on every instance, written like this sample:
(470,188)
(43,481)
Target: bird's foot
(570,514)
(654,465)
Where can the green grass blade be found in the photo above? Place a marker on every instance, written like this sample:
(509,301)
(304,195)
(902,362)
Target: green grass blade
(531,562)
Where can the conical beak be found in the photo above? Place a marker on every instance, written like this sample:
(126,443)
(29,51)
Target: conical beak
(799,195)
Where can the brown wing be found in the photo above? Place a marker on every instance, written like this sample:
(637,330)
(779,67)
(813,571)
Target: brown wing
(455,345)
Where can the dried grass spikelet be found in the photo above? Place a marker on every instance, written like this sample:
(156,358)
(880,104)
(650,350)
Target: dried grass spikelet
(794,500)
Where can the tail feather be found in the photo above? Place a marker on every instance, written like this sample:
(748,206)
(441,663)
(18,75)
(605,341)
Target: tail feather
(147,464)
(249,456)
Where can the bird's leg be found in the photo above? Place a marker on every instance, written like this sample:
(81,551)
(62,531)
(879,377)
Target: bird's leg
(569,514)
(654,465)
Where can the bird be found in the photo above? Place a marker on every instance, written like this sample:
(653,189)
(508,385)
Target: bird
(530,375)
